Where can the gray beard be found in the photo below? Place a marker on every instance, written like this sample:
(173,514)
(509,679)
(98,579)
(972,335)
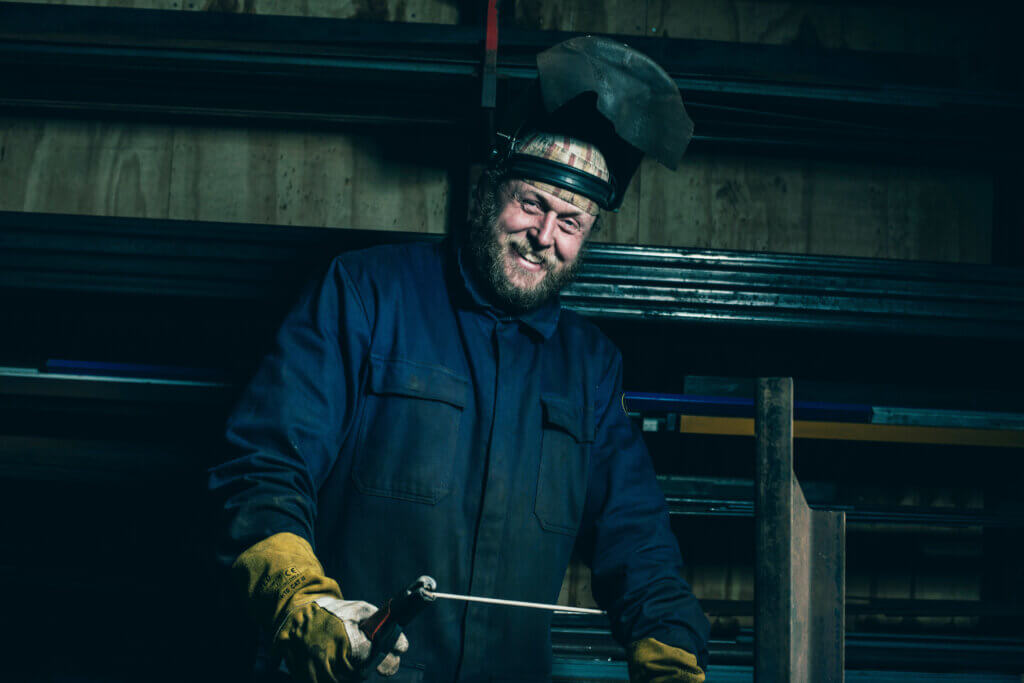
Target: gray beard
(486,251)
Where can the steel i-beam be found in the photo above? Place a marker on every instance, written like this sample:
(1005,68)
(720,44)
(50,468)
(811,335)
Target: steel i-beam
(800,579)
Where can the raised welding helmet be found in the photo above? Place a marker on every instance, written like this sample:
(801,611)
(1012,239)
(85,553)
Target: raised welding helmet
(605,93)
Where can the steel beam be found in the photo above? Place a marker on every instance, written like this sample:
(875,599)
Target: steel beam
(252,262)
(800,578)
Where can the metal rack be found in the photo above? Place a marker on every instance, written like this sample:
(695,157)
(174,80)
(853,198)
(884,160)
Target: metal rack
(288,70)
(233,261)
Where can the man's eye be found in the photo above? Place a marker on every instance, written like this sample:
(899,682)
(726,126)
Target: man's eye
(569,226)
(530,206)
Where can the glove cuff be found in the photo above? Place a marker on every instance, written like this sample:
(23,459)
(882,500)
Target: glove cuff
(277,576)
(651,661)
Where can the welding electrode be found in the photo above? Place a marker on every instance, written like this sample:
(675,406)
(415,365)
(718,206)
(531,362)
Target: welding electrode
(383,627)
(513,603)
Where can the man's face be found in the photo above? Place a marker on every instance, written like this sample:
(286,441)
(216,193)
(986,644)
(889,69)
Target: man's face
(532,247)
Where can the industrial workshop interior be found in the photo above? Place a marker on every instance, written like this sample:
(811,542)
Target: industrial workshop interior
(820,314)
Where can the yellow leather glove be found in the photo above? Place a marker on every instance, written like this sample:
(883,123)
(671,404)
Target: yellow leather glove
(651,661)
(313,627)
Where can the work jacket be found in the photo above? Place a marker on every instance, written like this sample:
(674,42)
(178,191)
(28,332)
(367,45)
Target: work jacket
(405,427)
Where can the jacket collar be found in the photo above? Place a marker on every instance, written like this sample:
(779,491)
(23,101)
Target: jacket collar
(542,321)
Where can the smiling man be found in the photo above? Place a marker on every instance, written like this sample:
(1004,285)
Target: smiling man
(526,236)
(430,408)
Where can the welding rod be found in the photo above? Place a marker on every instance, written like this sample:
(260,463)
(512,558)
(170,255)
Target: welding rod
(514,603)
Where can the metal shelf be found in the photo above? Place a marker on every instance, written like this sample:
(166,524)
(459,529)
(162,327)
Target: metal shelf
(726,497)
(582,638)
(206,66)
(231,261)
(567,669)
(29,382)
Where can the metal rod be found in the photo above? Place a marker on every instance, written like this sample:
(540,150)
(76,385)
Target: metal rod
(515,603)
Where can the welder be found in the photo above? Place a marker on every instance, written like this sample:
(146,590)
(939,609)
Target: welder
(429,408)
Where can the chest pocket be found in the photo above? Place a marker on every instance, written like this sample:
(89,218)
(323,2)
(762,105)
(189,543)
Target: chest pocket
(409,430)
(568,431)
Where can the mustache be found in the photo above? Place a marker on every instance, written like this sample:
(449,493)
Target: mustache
(524,249)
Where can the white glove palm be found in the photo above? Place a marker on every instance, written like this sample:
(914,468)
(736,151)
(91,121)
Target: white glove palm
(351,612)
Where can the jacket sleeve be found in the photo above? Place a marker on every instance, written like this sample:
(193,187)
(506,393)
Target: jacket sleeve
(284,434)
(634,556)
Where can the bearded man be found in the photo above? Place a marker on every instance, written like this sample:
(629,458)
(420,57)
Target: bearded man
(429,408)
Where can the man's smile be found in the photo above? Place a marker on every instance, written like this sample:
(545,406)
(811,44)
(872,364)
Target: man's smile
(527,259)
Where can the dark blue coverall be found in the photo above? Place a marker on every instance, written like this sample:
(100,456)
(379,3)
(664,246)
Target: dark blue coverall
(405,427)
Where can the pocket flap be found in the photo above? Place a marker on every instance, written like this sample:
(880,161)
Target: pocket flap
(408,378)
(567,416)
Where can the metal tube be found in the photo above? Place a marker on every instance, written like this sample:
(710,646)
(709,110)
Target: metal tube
(514,603)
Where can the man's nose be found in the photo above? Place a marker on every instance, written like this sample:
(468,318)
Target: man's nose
(544,236)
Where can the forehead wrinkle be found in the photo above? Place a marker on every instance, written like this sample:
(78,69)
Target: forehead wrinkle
(546,199)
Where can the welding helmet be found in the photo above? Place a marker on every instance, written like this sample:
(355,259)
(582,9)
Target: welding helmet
(605,93)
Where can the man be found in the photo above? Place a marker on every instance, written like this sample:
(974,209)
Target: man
(430,409)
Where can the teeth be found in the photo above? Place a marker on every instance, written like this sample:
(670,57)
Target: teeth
(531,259)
